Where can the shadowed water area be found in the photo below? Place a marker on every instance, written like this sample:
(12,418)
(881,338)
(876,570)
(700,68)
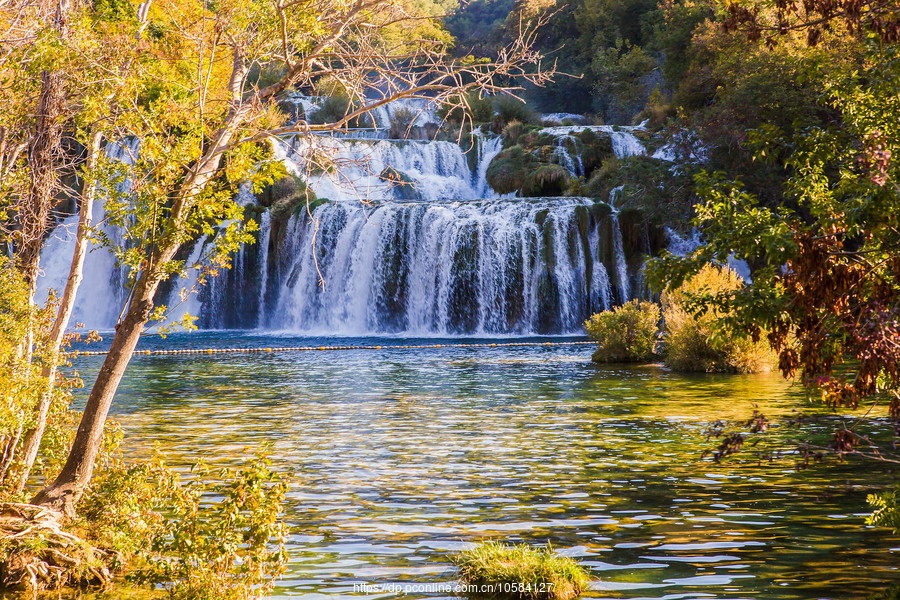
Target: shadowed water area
(400,458)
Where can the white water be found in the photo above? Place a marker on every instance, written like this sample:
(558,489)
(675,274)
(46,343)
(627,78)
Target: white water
(624,142)
(443,256)
(449,268)
(185,297)
(438,170)
(619,246)
(572,164)
(102,293)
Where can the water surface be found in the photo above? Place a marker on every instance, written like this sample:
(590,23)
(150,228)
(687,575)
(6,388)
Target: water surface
(400,458)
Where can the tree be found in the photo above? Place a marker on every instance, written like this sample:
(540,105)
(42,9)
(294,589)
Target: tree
(194,87)
(825,286)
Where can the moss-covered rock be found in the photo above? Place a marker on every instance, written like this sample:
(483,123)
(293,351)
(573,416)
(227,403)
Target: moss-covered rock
(546,180)
(284,198)
(595,148)
(507,172)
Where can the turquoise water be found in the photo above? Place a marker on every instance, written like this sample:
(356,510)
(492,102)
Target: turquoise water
(400,458)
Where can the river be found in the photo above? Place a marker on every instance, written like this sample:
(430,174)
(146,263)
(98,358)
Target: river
(399,458)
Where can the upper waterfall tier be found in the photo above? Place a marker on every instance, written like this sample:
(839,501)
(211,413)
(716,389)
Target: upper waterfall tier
(357,170)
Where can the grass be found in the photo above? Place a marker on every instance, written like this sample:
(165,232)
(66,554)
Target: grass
(497,570)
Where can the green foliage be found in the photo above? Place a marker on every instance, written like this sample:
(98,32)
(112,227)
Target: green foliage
(698,339)
(120,511)
(221,541)
(509,109)
(334,109)
(619,76)
(536,572)
(595,148)
(837,235)
(478,25)
(887,510)
(664,195)
(471,106)
(628,333)
(507,172)
(546,180)
(22,380)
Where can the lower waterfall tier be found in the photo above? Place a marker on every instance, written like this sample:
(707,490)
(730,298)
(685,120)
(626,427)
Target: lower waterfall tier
(457,268)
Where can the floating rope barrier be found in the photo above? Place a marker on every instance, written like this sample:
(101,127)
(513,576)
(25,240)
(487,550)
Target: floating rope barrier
(330,348)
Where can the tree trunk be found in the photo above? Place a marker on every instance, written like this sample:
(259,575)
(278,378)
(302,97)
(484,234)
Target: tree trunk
(66,490)
(33,437)
(63,494)
(44,151)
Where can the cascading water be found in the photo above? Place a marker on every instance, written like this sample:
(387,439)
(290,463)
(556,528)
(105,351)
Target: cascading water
(437,170)
(572,164)
(488,149)
(624,142)
(619,246)
(102,293)
(442,268)
(411,240)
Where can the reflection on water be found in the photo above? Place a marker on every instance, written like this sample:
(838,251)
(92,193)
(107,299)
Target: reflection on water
(401,457)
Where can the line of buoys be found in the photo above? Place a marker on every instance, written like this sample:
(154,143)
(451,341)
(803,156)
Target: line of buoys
(330,348)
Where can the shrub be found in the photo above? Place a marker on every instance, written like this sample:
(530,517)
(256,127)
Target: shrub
(119,512)
(335,108)
(887,509)
(522,571)
(512,131)
(702,342)
(480,109)
(232,549)
(510,109)
(507,172)
(546,180)
(628,333)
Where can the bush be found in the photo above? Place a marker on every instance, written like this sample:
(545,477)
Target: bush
(511,109)
(702,342)
(887,509)
(335,108)
(507,172)
(480,109)
(527,572)
(628,333)
(231,549)
(546,180)
(119,512)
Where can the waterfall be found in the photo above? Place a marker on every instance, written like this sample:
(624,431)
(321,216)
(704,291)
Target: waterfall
(409,239)
(103,291)
(436,170)
(619,248)
(265,228)
(624,142)
(423,112)
(488,149)
(572,164)
(185,296)
(477,267)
